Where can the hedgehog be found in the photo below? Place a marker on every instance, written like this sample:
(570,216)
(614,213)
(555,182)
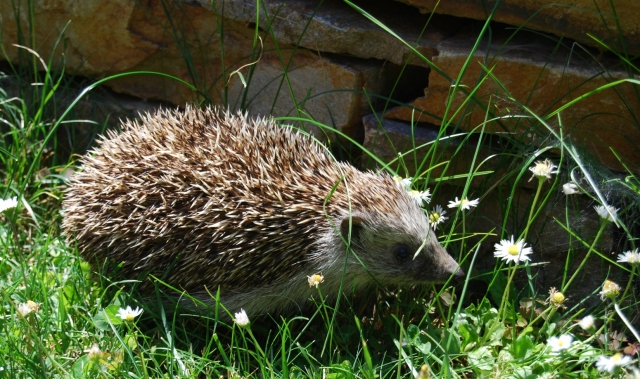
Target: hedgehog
(207,200)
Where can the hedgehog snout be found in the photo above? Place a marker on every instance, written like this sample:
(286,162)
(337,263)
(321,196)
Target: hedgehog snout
(459,276)
(439,264)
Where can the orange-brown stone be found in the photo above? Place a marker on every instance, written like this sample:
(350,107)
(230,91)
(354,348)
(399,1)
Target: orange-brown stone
(184,40)
(542,82)
(96,39)
(576,19)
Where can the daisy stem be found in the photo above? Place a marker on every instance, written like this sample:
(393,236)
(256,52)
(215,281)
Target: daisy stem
(552,311)
(607,320)
(594,336)
(603,224)
(325,313)
(549,309)
(142,361)
(533,208)
(505,296)
(134,335)
(464,225)
(628,287)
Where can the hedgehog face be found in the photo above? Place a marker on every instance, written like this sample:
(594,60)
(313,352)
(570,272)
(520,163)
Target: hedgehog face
(398,253)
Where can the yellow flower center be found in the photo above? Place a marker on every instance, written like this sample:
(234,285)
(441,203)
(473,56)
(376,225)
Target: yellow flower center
(542,168)
(315,280)
(558,297)
(513,250)
(434,217)
(616,359)
(610,289)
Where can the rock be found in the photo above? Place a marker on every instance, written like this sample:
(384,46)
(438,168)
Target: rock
(387,139)
(542,79)
(565,18)
(334,27)
(96,40)
(315,83)
(183,39)
(187,45)
(311,78)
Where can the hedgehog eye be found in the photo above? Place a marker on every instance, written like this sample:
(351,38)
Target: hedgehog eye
(401,252)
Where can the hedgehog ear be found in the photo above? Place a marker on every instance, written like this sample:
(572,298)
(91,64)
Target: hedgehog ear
(357,218)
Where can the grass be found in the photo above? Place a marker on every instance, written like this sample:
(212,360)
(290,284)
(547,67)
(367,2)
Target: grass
(61,320)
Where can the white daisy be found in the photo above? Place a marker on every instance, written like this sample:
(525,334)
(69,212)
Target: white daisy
(128,314)
(403,182)
(315,280)
(437,216)
(421,196)
(609,364)
(607,213)
(587,322)
(543,170)
(631,257)
(570,189)
(463,203)
(241,319)
(511,251)
(558,344)
(8,203)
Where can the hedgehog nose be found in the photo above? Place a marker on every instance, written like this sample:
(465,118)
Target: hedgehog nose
(458,277)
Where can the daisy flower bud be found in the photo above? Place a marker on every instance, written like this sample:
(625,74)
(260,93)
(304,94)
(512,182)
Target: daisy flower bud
(587,323)
(543,169)
(610,290)
(315,280)
(556,298)
(607,213)
(25,309)
(95,354)
(241,319)
(570,189)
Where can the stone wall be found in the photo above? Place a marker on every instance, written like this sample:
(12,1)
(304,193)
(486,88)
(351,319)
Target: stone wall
(327,62)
